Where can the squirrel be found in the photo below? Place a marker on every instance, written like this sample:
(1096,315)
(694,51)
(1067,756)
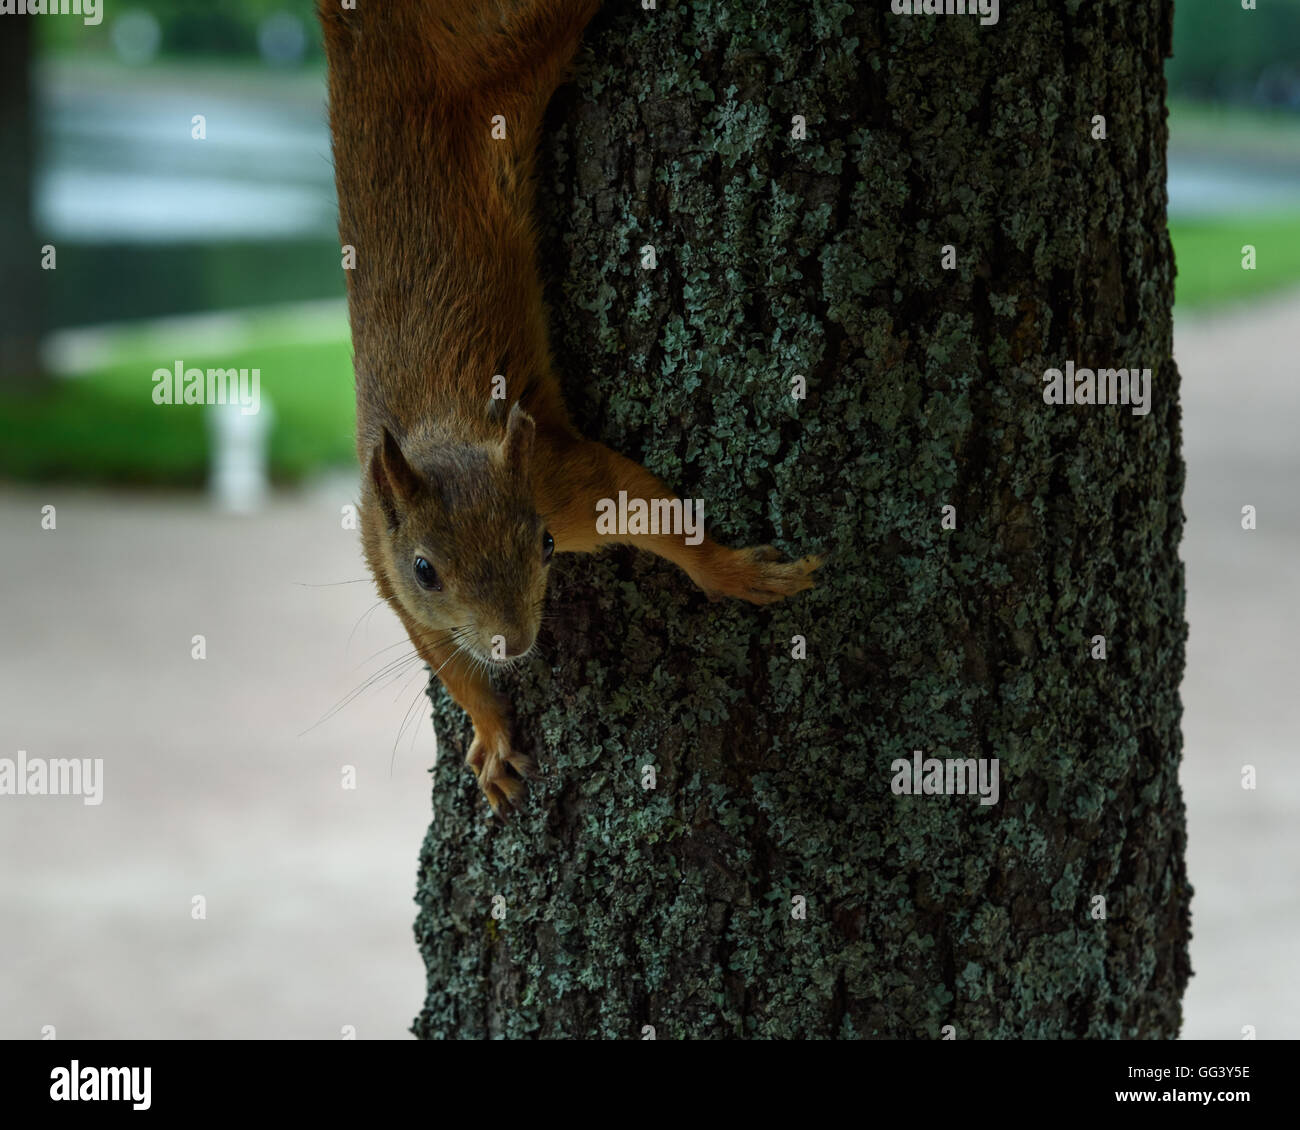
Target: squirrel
(435,110)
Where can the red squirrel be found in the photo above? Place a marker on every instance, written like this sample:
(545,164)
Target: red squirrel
(436,110)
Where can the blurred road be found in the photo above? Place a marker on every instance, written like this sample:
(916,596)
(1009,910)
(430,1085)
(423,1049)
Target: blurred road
(119,161)
(210,789)
(1241,416)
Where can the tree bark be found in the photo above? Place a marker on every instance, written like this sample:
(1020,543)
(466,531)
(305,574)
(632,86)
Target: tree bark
(20,312)
(606,907)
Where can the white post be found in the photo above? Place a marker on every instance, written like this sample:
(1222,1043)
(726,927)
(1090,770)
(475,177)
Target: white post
(239,482)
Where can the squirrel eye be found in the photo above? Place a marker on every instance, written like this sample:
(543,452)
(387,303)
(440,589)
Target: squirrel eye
(548,545)
(425,574)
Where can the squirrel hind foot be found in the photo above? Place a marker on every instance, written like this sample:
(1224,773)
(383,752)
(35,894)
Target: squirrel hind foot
(761,575)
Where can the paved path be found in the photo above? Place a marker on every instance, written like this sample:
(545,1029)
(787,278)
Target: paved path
(209,789)
(1241,412)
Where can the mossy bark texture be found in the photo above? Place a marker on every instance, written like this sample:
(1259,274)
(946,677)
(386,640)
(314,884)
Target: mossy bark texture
(607,907)
(20,257)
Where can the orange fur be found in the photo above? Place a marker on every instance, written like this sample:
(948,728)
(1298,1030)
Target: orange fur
(446,294)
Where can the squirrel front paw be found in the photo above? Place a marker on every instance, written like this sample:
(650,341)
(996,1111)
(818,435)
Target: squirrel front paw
(491,756)
(758,574)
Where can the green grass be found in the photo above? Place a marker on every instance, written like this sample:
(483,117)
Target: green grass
(1208,249)
(1208,254)
(103,426)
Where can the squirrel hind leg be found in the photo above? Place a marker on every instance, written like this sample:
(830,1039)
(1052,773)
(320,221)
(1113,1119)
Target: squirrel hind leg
(760,574)
(597,476)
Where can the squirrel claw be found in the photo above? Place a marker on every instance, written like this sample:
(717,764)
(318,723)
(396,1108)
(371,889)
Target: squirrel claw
(492,758)
(506,795)
(524,765)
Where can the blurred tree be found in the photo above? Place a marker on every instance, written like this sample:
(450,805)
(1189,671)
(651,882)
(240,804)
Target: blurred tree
(20,267)
(770,883)
(1222,50)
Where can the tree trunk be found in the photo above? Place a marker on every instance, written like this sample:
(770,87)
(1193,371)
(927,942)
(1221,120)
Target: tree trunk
(607,906)
(20,266)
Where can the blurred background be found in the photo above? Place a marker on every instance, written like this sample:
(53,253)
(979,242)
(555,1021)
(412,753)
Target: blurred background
(225,775)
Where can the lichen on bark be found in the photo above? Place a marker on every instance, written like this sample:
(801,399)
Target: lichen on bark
(671,907)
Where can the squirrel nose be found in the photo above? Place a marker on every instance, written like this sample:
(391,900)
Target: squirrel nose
(516,643)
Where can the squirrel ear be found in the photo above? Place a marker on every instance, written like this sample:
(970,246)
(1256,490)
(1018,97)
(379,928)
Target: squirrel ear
(518,446)
(395,480)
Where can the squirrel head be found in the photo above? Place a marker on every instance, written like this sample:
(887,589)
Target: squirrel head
(454,537)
